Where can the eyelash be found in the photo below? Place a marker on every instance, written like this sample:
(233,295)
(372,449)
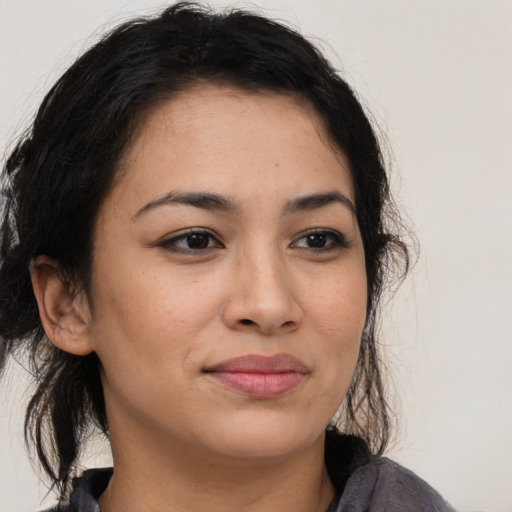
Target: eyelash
(337,241)
(170,243)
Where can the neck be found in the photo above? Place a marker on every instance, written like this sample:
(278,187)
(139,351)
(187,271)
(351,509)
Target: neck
(148,477)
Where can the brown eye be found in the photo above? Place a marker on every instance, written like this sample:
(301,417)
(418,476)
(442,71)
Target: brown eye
(316,240)
(191,241)
(198,241)
(321,241)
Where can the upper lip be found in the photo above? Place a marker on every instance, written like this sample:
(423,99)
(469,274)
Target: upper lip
(253,363)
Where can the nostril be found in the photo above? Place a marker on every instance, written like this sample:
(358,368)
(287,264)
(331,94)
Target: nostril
(246,321)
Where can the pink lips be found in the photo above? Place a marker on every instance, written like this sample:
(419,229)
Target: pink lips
(260,376)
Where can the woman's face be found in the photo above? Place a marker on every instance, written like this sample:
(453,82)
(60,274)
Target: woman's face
(228,291)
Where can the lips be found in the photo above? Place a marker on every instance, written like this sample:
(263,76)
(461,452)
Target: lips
(260,376)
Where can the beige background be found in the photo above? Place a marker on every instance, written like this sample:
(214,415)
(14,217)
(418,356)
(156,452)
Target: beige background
(437,74)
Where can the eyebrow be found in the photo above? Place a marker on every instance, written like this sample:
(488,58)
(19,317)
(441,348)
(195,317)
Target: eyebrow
(315,201)
(203,200)
(215,202)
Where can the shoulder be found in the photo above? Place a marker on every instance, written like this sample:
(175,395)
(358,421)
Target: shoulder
(85,492)
(383,485)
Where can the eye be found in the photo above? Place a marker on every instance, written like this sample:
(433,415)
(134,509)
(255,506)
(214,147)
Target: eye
(320,240)
(191,241)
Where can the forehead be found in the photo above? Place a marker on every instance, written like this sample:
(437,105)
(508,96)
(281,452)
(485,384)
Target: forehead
(211,136)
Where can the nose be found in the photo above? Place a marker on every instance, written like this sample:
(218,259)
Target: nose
(263,297)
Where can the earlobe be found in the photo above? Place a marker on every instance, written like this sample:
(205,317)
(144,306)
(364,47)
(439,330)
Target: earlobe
(64,314)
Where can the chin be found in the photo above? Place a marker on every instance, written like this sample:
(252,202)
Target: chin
(266,438)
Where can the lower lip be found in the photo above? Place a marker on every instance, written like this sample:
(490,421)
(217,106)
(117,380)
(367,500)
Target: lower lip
(260,385)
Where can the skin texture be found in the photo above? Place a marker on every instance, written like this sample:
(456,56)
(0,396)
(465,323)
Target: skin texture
(160,314)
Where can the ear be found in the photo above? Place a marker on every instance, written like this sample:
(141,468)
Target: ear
(64,314)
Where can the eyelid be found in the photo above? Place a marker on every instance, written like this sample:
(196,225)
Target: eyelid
(168,241)
(340,239)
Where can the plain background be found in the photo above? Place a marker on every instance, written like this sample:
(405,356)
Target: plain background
(437,76)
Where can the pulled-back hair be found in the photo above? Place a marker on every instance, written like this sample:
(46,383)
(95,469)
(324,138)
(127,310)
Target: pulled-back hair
(62,169)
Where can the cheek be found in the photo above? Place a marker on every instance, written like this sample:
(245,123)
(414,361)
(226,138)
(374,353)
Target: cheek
(339,306)
(146,338)
(338,313)
(145,313)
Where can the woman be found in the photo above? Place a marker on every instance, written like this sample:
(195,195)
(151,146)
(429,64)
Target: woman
(196,235)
